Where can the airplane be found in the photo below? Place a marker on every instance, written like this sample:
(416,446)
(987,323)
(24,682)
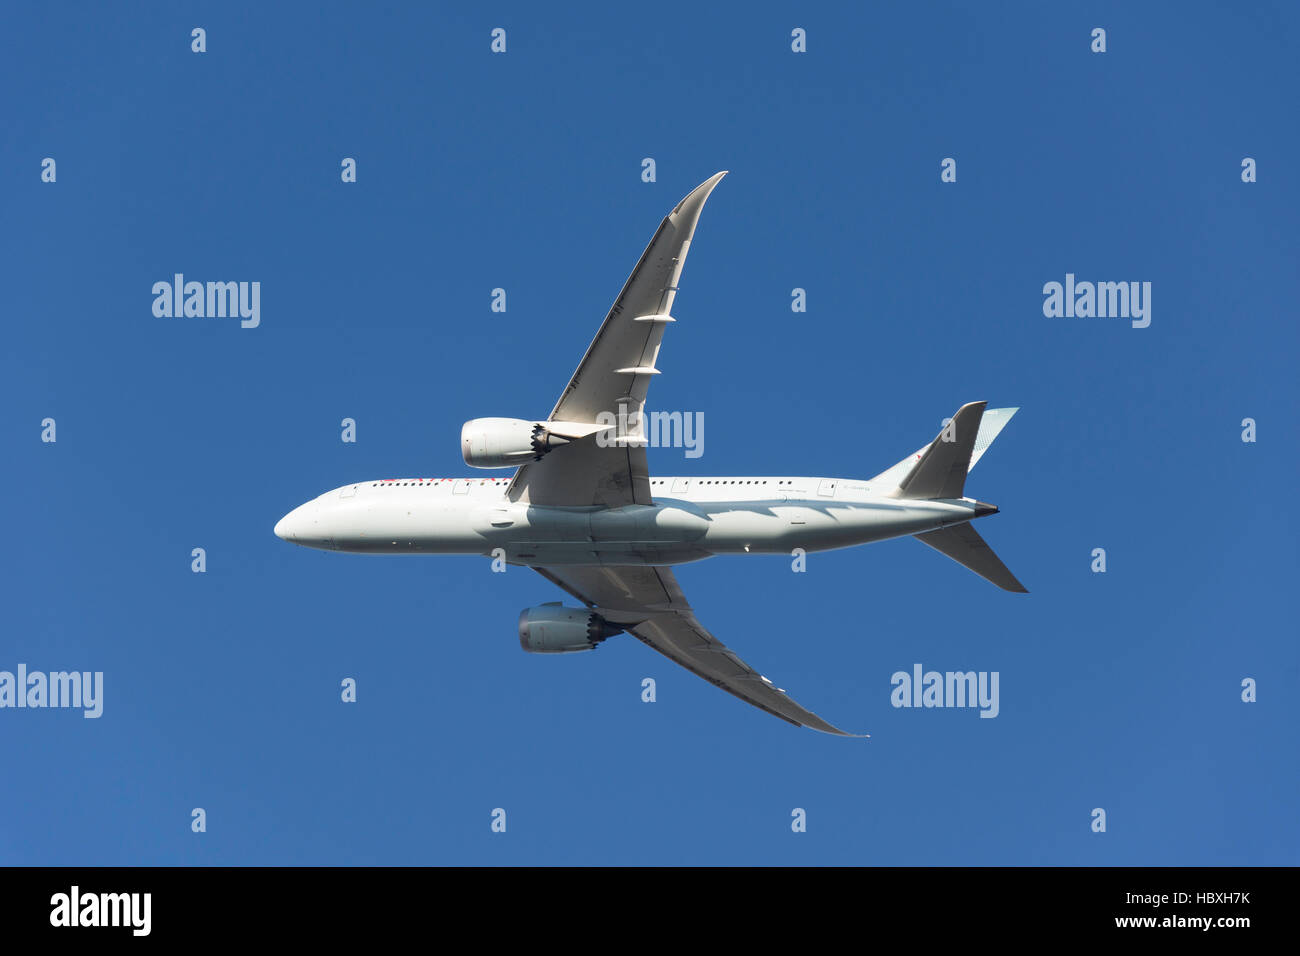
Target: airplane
(583,511)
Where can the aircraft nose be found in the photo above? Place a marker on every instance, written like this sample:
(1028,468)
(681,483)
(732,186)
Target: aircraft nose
(309,525)
(289,528)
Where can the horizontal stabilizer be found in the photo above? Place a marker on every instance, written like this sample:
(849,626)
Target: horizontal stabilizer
(964,545)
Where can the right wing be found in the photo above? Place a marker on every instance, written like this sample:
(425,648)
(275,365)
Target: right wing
(614,377)
(649,604)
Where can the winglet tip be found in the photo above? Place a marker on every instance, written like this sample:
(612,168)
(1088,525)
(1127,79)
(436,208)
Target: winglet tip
(836,732)
(693,202)
(713,180)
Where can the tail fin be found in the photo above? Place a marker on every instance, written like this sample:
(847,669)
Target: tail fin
(964,545)
(941,472)
(990,426)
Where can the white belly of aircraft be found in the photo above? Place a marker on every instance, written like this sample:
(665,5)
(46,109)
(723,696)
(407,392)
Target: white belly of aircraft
(363,519)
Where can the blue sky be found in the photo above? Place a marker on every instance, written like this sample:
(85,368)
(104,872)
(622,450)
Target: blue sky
(1119,690)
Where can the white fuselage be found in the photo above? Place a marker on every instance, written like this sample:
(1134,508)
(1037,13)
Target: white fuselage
(691,519)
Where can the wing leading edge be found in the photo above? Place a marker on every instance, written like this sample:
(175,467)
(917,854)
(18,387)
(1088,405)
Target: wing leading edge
(649,604)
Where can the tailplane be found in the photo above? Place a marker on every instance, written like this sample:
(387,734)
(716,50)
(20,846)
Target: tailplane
(939,470)
(964,545)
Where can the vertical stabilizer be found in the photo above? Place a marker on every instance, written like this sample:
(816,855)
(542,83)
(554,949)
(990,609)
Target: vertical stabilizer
(941,472)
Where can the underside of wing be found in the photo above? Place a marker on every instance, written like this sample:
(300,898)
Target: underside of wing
(648,603)
(613,378)
(583,473)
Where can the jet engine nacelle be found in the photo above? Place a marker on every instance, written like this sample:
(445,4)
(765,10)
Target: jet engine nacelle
(511,442)
(554,629)
(499,442)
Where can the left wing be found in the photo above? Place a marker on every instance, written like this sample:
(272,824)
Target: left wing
(614,376)
(649,604)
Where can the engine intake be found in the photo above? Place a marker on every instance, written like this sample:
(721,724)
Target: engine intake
(554,629)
